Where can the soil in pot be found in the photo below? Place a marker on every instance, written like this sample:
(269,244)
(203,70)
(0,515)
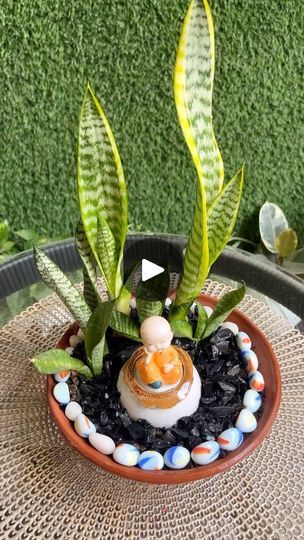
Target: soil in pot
(224,382)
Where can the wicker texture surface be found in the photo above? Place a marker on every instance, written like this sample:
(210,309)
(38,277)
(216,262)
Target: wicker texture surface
(49,491)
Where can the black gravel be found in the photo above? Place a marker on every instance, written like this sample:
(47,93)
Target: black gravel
(224,382)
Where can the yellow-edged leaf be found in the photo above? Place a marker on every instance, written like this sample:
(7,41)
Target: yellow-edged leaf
(193,86)
(222,215)
(101,183)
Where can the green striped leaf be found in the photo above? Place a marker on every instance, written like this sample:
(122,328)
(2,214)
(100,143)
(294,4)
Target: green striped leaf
(151,295)
(58,281)
(182,329)
(101,184)
(94,338)
(121,323)
(107,253)
(193,78)
(196,261)
(89,270)
(55,360)
(89,292)
(193,86)
(222,215)
(123,301)
(201,321)
(180,312)
(223,308)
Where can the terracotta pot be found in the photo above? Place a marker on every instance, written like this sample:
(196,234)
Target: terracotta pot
(269,368)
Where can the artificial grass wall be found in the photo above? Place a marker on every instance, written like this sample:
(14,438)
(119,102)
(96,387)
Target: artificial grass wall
(48,50)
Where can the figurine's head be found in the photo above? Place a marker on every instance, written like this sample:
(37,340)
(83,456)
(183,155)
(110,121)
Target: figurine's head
(156,334)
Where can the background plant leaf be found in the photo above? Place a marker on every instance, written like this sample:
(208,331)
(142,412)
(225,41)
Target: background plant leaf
(27,234)
(222,215)
(4,231)
(223,308)
(7,246)
(272,222)
(101,184)
(286,243)
(95,335)
(151,295)
(295,268)
(121,323)
(55,360)
(60,283)
(18,300)
(298,255)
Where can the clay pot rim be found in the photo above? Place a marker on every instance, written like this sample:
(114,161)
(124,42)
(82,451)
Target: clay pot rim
(269,368)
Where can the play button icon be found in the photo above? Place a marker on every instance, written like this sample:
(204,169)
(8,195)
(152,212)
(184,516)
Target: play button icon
(149,269)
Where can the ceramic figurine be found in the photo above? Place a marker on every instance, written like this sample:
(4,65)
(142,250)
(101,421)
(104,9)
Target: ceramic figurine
(160,365)
(159,382)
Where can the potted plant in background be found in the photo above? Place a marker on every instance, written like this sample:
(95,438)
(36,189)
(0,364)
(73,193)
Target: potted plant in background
(153,405)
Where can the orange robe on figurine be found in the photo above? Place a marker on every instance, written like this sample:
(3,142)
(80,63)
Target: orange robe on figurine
(161,365)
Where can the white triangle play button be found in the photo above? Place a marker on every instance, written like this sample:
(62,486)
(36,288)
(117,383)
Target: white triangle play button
(149,269)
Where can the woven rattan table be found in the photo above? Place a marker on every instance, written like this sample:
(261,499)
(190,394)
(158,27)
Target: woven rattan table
(50,492)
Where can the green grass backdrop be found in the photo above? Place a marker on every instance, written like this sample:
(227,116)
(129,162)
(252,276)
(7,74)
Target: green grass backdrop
(126,48)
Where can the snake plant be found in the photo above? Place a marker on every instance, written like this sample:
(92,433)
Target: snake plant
(101,230)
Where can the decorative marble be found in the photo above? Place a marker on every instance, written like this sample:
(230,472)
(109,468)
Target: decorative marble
(245,421)
(150,460)
(61,393)
(205,453)
(177,457)
(252,400)
(230,439)
(126,454)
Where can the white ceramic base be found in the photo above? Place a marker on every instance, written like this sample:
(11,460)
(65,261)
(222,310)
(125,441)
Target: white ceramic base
(162,418)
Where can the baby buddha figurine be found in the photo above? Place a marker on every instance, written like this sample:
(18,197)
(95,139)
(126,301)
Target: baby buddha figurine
(160,366)
(159,382)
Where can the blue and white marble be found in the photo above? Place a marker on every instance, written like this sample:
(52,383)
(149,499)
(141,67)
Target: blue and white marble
(61,393)
(126,454)
(230,439)
(83,426)
(150,460)
(251,359)
(243,341)
(246,421)
(256,381)
(62,376)
(252,400)
(177,457)
(231,326)
(72,410)
(205,453)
